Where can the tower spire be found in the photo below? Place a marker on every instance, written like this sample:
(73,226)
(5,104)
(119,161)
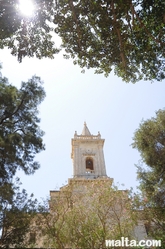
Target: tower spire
(85,131)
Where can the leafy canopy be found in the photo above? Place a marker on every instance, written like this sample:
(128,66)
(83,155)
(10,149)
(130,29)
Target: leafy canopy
(84,214)
(20,141)
(20,134)
(16,213)
(126,36)
(149,139)
(27,36)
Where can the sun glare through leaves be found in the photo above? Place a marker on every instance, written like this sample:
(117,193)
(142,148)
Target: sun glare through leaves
(26,7)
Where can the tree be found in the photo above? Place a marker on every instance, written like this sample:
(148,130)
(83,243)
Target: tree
(27,36)
(20,135)
(126,36)
(20,141)
(16,214)
(85,215)
(149,139)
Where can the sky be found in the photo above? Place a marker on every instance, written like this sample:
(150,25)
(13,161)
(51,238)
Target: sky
(108,105)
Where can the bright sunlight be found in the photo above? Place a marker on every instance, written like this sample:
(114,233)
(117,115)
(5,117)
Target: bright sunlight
(26,7)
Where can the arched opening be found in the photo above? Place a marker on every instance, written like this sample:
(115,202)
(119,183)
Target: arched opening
(89,165)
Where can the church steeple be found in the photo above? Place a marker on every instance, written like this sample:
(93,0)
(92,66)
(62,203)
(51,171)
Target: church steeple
(85,131)
(87,155)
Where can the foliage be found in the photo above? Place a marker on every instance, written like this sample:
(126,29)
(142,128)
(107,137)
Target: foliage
(20,135)
(20,141)
(85,214)
(126,36)
(16,213)
(27,36)
(149,139)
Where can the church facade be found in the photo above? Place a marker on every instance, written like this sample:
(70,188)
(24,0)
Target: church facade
(82,198)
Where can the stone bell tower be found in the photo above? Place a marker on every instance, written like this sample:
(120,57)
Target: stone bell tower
(87,154)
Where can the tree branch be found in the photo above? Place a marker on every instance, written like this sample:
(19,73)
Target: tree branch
(19,129)
(119,37)
(76,21)
(143,25)
(9,116)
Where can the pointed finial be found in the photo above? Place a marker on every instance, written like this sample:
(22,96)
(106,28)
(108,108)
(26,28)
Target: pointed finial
(85,131)
(75,134)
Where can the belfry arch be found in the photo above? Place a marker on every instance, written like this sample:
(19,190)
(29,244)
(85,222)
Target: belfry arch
(89,164)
